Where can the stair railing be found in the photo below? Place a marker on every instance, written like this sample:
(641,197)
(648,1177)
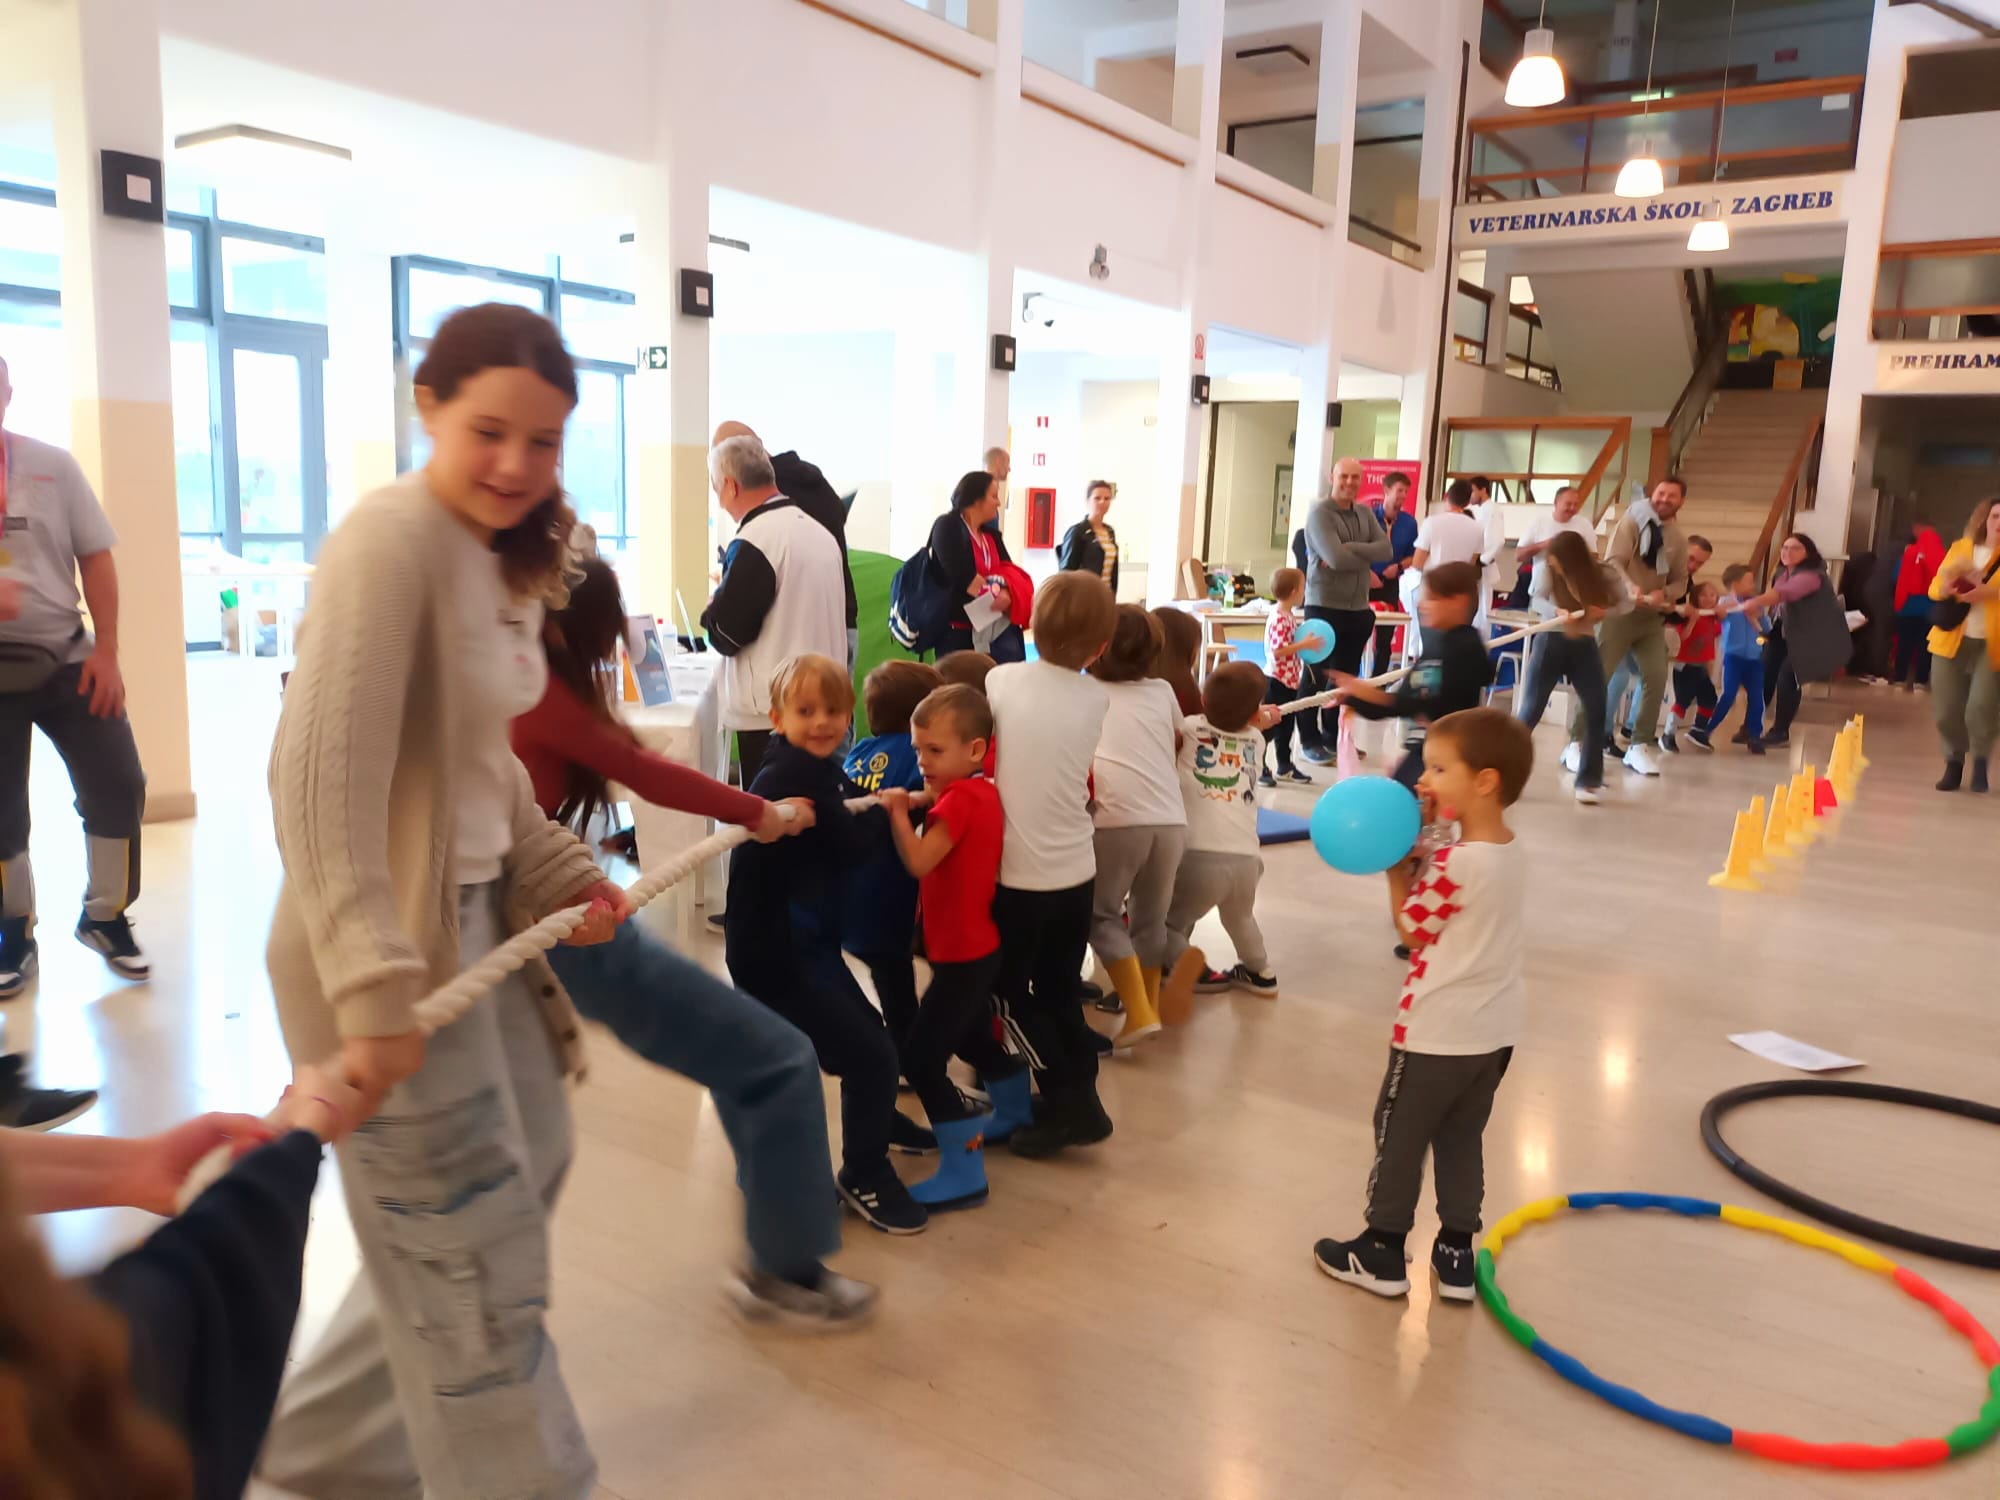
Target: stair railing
(1697,398)
(1801,482)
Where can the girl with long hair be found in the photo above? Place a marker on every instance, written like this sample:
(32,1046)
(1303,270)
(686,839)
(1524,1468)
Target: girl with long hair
(412,846)
(1965,658)
(1577,581)
(761,1070)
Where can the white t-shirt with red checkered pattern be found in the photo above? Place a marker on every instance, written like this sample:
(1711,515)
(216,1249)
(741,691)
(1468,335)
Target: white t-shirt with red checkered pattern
(1464,994)
(1280,630)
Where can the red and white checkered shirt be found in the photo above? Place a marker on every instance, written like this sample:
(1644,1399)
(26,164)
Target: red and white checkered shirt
(1280,631)
(1464,994)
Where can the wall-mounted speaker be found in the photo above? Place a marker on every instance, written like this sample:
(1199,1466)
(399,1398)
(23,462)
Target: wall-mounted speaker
(1199,393)
(1333,413)
(132,187)
(1003,353)
(697,294)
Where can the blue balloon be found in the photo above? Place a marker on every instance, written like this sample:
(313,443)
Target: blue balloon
(1315,638)
(1365,824)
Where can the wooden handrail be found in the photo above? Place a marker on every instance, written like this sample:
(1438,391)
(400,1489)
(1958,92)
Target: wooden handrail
(1761,553)
(1757,93)
(1547,424)
(1961,310)
(1471,290)
(1766,153)
(1932,249)
(1595,474)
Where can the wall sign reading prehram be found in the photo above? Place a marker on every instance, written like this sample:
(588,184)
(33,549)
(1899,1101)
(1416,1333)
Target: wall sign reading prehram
(1969,366)
(1590,217)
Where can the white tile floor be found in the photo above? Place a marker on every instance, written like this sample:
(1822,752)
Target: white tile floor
(1144,1320)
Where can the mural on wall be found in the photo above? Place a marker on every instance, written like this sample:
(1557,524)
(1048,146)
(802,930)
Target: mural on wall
(1791,317)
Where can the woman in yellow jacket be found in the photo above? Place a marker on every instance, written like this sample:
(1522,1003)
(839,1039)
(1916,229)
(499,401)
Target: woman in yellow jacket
(1965,660)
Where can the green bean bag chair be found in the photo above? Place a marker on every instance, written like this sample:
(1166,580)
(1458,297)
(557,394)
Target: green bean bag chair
(873,572)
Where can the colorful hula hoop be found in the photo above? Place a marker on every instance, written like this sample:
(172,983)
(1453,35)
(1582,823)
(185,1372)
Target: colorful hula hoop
(1914,1453)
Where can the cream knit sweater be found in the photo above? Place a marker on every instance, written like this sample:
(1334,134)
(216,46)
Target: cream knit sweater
(361,792)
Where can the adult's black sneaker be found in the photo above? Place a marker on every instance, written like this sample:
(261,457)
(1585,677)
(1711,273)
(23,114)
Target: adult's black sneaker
(1365,1262)
(1069,1119)
(910,1138)
(114,940)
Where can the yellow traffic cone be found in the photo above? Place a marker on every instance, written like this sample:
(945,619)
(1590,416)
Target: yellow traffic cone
(1760,861)
(1777,831)
(1842,772)
(1802,834)
(1861,761)
(1736,874)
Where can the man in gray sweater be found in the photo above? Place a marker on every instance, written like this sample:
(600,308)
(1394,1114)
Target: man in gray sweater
(1342,539)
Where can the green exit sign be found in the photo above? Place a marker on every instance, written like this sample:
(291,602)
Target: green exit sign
(653,357)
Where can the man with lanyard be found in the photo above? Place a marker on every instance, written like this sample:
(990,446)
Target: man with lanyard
(1650,553)
(1393,511)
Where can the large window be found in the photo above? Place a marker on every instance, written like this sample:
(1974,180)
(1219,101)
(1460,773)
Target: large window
(600,326)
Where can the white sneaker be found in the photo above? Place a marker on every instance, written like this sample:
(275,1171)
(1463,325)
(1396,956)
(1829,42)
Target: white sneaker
(1587,795)
(1572,760)
(1643,759)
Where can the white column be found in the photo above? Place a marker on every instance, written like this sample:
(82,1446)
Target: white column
(1333,124)
(995,158)
(360,377)
(104,69)
(1333,173)
(1197,110)
(1865,197)
(669,408)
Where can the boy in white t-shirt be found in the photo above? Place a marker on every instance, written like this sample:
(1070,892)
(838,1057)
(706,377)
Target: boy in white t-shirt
(1220,753)
(1047,718)
(1461,1013)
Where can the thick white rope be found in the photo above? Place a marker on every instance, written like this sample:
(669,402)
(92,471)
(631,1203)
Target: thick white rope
(451,1000)
(1319,700)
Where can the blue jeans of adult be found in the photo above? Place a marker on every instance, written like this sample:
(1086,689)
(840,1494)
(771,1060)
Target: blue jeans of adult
(759,1067)
(1560,657)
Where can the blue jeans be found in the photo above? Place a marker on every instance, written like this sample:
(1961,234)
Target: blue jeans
(1621,685)
(759,1067)
(1747,674)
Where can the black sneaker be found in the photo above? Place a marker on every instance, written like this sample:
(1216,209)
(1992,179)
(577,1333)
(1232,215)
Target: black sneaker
(1072,1119)
(23,1107)
(1669,744)
(1367,1263)
(1214,982)
(1700,740)
(1755,747)
(1781,737)
(1264,985)
(910,1138)
(832,1302)
(19,956)
(883,1201)
(1265,778)
(1741,737)
(114,940)
(1295,777)
(1452,1265)
(1101,1044)
(1316,756)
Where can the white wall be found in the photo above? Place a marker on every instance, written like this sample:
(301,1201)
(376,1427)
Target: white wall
(1928,197)
(1382,311)
(1252,439)
(1260,269)
(1623,339)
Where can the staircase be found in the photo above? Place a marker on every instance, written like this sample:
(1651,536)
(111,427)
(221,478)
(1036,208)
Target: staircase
(1735,464)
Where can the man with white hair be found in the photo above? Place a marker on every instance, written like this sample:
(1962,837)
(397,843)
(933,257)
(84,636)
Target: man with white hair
(781,593)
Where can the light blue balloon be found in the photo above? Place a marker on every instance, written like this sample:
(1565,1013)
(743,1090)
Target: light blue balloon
(1315,638)
(1365,824)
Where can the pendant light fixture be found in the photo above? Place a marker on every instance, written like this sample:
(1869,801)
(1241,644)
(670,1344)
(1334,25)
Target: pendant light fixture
(1641,176)
(1537,78)
(1711,231)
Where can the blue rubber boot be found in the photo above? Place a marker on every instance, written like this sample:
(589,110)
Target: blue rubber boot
(961,1175)
(1013,1106)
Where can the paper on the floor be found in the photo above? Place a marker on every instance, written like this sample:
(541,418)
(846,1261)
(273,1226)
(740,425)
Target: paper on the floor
(1775,1046)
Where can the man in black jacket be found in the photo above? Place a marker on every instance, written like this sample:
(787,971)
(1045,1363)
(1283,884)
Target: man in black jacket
(804,485)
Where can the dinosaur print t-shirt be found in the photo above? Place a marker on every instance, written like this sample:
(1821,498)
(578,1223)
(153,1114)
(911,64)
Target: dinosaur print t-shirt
(1219,784)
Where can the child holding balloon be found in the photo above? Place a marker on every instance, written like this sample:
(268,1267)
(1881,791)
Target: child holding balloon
(1451,675)
(1283,648)
(1461,1012)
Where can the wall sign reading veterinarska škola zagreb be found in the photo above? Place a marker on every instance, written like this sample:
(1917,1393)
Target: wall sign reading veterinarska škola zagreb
(1590,217)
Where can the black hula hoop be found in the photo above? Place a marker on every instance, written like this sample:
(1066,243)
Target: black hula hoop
(1827,1213)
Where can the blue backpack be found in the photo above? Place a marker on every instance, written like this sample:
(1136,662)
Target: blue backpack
(921,609)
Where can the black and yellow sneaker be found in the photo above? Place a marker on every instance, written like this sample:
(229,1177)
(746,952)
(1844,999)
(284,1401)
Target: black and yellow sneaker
(114,940)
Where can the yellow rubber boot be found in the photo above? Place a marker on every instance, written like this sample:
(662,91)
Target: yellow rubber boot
(1177,994)
(1142,1017)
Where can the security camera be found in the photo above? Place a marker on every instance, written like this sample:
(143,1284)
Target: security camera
(1030,313)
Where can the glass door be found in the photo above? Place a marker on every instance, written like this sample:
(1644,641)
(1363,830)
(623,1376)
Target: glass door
(275,478)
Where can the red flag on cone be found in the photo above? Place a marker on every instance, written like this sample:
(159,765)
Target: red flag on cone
(1824,800)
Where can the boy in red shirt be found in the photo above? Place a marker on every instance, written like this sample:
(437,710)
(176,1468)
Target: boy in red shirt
(1694,684)
(956,860)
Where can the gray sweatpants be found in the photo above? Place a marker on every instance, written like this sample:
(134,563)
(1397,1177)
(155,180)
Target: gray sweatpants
(1437,1102)
(1227,882)
(436,1379)
(1135,883)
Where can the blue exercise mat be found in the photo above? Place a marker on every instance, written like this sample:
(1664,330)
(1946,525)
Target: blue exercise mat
(1274,827)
